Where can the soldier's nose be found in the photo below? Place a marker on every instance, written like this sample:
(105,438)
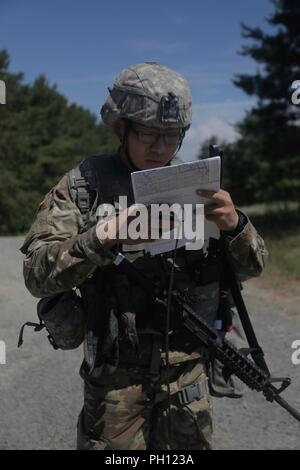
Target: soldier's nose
(159,145)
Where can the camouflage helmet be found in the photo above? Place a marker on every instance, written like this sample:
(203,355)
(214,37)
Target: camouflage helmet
(150,94)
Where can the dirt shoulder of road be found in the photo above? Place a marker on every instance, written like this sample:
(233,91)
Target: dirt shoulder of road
(280,290)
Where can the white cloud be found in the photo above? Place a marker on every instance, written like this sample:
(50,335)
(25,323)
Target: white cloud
(226,107)
(212,119)
(195,137)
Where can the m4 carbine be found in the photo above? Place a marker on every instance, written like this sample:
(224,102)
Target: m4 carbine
(234,361)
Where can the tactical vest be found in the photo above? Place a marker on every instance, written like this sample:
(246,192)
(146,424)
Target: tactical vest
(102,179)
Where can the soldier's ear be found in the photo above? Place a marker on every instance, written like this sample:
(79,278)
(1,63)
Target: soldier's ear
(119,129)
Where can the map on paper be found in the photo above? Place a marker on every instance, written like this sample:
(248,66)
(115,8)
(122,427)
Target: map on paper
(177,184)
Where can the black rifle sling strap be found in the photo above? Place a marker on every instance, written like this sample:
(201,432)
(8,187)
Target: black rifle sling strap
(84,183)
(235,288)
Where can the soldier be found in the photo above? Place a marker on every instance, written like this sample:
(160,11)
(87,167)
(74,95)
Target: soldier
(127,380)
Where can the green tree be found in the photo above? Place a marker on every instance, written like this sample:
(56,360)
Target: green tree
(227,182)
(269,146)
(42,136)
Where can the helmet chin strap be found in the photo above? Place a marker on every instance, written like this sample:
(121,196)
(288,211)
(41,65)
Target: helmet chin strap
(124,145)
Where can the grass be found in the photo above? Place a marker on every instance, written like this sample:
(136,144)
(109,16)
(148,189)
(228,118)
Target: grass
(279,225)
(285,255)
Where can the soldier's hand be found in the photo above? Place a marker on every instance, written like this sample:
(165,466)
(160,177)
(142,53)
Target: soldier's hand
(220,210)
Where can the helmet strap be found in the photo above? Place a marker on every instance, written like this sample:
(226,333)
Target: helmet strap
(124,144)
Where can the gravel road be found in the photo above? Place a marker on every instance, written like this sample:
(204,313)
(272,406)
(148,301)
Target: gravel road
(41,391)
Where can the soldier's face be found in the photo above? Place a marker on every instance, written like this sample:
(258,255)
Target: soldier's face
(149,147)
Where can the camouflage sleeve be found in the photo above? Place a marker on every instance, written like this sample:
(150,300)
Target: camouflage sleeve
(247,253)
(58,257)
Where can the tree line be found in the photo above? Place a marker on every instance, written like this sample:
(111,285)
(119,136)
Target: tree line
(42,136)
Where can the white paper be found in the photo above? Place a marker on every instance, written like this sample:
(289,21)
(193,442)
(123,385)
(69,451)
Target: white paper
(176,184)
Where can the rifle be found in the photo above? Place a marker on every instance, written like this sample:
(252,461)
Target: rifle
(234,361)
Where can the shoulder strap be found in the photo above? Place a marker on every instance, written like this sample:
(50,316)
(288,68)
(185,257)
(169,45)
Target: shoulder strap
(90,182)
(80,193)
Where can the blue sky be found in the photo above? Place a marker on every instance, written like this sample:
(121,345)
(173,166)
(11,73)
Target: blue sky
(82,45)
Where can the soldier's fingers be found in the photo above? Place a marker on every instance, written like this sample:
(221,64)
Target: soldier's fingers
(213,209)
(220,196)
(206,193)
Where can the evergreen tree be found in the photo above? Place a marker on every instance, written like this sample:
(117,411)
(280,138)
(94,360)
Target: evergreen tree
(231,169)
(269,147)
(42,136)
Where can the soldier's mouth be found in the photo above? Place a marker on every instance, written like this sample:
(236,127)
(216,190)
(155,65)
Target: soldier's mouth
(157,162)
